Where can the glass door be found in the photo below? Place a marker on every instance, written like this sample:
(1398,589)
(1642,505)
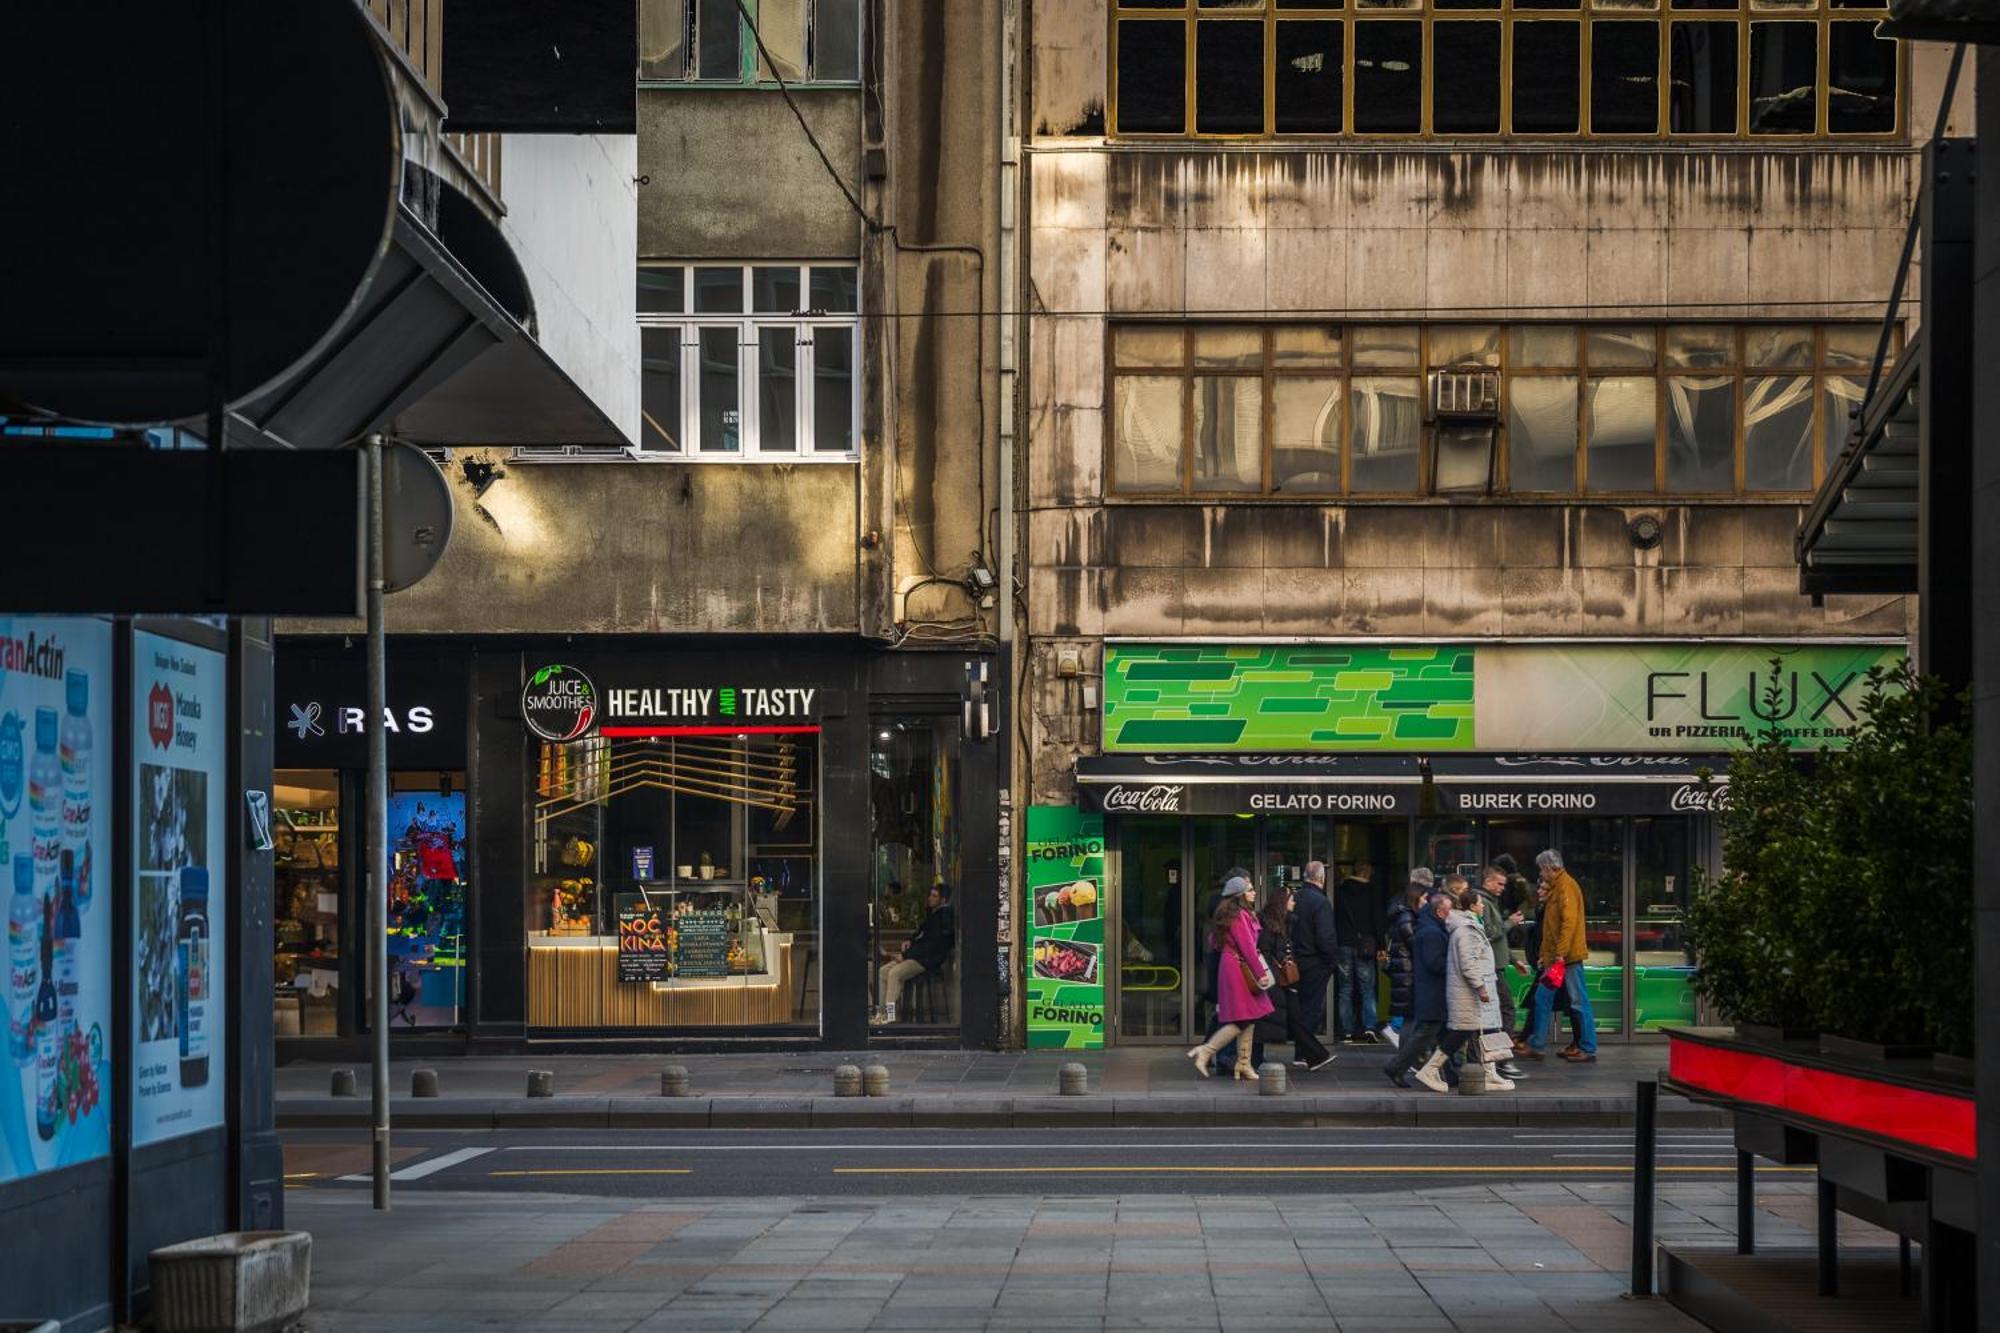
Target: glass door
(1594,851)
(1663,965)
(1154,943)
(307,839)
(1216,846)
(917,866)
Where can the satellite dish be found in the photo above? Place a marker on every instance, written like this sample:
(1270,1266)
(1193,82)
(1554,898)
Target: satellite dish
(416,515)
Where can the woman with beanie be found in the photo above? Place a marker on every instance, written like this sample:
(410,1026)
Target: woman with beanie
(1242,978)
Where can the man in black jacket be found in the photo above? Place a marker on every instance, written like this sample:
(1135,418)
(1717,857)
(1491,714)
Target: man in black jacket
(928,950)
(1362,930)
(1315,947)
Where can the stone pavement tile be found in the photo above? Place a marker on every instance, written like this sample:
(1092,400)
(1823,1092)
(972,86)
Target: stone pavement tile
(635,1305)
(945,1317)
(797,1314)
(1432,1323)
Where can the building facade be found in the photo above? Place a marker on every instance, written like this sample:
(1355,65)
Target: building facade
(1423,400)
(778,599)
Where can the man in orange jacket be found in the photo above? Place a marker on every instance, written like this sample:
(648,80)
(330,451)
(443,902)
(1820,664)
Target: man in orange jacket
(1562,938)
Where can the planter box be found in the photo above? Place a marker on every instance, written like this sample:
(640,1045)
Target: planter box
(238,1282)
(1765,1034)
(1954,1066)
(1847,1048)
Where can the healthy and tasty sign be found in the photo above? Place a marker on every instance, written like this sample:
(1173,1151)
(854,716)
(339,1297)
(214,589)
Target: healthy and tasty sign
(1668,696)
(55,859)
(1065,886)
(560,703)
(181,900)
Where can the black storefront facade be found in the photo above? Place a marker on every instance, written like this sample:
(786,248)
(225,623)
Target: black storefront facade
(639,842)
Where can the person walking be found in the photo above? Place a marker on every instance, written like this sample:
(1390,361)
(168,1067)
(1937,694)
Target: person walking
(1287,1021)
(1493,916)
(1242,979)
(1315,947)
(1362,934)
(1401,935)
(1210,959)
(1471,992)
(1563,941)
(1429,947)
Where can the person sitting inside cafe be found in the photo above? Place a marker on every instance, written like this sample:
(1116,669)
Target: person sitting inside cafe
(927,952)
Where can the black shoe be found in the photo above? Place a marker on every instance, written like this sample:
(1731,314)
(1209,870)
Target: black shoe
(1321,1065)
(1368,1039)
(1510,1071)
(1395,1076)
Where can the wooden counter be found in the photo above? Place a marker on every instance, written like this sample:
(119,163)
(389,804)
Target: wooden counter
(573,983)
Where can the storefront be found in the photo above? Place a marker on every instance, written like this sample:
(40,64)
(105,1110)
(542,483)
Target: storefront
(1268,756)
(603,839)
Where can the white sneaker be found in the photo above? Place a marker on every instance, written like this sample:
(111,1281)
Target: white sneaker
(1431,1078)
(1393,1037)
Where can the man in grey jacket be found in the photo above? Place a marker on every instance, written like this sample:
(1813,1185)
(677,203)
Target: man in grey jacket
(1491,885)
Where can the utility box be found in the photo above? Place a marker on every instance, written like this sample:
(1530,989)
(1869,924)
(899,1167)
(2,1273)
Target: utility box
(237,1282)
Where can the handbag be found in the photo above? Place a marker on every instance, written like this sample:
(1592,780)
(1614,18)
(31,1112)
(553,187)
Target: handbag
(1552,976)
(1250,978)
(1496,1046)
(1288,971)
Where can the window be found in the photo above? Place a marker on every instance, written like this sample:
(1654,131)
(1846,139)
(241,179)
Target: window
(1755,69)
(1316,410)
(748,362)
(706,41)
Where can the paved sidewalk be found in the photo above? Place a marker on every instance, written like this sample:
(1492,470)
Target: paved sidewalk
(1506,1258)
(1131,1085)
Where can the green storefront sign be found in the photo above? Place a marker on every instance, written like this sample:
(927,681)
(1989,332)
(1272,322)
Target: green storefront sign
(1066,963)
(1671,697)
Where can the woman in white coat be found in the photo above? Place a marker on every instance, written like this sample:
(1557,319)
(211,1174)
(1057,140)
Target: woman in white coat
(1471,993)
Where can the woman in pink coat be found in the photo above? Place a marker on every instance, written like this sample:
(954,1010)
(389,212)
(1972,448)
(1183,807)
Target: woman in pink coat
(1241,979)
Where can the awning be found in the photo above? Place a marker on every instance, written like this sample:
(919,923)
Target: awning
(431,356)
(1362,785)
(1860,534)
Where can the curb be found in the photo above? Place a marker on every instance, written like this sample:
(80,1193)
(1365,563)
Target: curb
(1044,1112)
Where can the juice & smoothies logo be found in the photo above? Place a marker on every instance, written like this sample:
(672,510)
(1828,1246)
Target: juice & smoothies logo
(559,703)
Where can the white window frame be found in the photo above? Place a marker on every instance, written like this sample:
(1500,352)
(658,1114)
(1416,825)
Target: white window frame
(802,323)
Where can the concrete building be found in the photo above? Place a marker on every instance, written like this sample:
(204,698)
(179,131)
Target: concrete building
(1422,402)
(772,602)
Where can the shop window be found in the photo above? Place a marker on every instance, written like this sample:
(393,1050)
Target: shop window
(747,363)
(306,864)
(674,883)
(709,41)
(918,868)
(1312,410)
(1434,68)
(428,878)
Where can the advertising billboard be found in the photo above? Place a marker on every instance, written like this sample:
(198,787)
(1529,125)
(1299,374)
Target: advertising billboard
(1067,969)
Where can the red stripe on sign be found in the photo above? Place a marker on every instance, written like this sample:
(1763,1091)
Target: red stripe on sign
(1934,1120)
(707,731)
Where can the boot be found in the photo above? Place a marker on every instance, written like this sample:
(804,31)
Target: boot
(1496,1081)
(1246,1069)
(1431,1075)
(1201,1055)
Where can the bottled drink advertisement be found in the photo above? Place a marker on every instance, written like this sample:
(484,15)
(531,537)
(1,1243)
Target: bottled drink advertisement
(55,831)
(180,862)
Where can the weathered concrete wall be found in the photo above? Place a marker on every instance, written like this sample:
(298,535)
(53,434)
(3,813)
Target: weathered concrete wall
(665,548)
(729,175)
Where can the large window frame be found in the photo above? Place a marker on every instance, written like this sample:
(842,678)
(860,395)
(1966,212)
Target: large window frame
(680,364)
(708,44)
(1766,366)
(1144,23)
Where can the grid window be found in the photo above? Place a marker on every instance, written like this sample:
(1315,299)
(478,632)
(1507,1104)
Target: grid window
(708,42)
(1397,410)
(735,368)
(1626,69)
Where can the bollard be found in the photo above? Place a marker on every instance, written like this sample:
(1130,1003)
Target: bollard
(423,1082)
(674,1081)
(1073,1080)
(875,1081)
(1746,1203)
(1273,1078)
(343,1083)
(541,1082)
(1644,1146)
(1472,1080)
(847,1081)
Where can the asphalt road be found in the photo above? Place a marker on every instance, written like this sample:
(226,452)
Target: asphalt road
(920,1162)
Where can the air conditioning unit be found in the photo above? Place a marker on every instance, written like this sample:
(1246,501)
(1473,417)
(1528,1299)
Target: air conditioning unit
(1465,393)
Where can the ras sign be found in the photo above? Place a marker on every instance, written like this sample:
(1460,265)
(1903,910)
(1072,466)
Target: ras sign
(1162,798)
(559,703)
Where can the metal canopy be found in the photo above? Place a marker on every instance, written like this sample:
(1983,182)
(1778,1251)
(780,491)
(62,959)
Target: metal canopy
(1860,533)
(430,357)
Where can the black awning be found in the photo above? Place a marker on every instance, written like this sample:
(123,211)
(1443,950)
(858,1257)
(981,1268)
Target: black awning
(431,356)
(1860,533)
(1359,785)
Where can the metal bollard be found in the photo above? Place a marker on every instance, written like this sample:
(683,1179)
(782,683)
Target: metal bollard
(1272,1079)
(423,1082)
(1644,1147)
(1472,1080)
(1073,1080)
(875,1081)
(343,1083)
(847,1081)
(674,1081)
(541,1082)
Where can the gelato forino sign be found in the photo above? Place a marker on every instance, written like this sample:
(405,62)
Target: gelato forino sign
(559,703)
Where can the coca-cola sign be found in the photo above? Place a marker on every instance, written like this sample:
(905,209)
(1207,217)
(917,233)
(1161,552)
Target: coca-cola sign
(1161,798)
(1700,798)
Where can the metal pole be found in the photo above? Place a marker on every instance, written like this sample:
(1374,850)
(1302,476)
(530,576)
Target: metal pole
(1829,1238)
(377,875)
(1746,1203)
(1643,1146)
